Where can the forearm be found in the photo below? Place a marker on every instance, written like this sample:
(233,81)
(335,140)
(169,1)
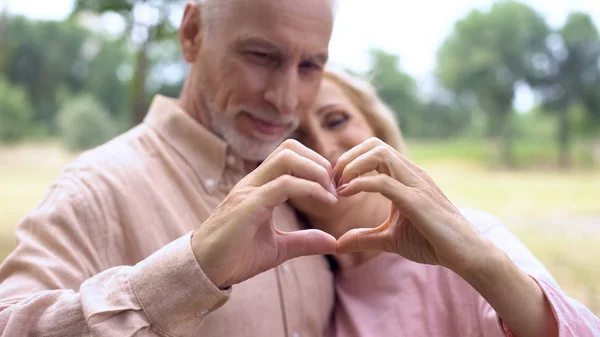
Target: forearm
(513,294)
(151,298)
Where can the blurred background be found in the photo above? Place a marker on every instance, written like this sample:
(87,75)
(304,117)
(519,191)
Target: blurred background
(499,100)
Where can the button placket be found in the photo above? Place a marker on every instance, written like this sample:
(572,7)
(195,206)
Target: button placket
(292,301)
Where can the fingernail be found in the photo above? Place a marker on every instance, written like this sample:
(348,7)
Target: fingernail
(342,188)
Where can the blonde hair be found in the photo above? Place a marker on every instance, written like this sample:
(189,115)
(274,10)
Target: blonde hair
(379,116)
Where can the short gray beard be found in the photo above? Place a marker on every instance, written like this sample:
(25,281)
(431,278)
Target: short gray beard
(248,148)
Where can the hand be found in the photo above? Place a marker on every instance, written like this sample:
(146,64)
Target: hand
(239,240)
(423,226)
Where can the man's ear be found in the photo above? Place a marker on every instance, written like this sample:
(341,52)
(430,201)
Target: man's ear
(190,32)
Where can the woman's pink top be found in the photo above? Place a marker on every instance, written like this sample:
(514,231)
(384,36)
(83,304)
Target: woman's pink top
(391,296)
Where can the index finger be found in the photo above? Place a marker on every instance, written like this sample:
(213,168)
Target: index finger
(301,149)
(354,153)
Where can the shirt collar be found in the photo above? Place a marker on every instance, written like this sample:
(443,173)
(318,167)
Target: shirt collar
(203,151)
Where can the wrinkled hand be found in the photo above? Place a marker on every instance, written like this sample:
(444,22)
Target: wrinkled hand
(423,226)
(239,240)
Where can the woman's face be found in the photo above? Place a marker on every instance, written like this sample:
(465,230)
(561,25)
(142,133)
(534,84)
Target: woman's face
(331,127)
(334,124)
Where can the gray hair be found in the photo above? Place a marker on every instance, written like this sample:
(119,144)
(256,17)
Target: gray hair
(210,8)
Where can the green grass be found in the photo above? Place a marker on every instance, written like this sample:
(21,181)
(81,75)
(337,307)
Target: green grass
(528,154)
(572,258)
(556,214)
(525,194)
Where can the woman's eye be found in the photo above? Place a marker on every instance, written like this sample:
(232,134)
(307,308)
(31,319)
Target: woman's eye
(336,121)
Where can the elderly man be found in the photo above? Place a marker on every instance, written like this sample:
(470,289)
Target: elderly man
(162,231)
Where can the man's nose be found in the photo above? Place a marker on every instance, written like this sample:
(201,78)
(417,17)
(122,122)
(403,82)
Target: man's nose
(282,92)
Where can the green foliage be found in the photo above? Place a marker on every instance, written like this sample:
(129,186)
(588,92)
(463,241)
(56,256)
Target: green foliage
(572,79)
(44,57)
(399,90)
(462,150)
(84,124)
(486,55)
(38,56)
(395,87)
(529,153)
(159,30)
(442,121)
(488,52)
(534,125)
(15,113)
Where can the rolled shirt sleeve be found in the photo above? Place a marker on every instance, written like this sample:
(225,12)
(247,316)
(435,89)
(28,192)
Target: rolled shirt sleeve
(573,318)
(57,283)
(173,290)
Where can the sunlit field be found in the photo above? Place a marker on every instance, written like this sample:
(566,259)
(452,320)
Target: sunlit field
(556,214)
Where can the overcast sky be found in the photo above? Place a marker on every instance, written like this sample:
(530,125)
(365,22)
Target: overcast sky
(412,29)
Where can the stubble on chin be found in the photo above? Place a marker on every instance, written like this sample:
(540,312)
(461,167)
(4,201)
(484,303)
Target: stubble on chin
(247,147)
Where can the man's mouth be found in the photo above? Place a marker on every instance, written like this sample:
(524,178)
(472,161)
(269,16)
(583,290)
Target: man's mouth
(268,128)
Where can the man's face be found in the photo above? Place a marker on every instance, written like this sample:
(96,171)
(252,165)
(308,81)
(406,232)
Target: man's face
(259,67)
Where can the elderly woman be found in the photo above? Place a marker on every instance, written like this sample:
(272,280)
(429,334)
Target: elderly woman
(415,264)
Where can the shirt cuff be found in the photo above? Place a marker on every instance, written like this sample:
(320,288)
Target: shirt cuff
(505,328)
(173,290)
(550,298)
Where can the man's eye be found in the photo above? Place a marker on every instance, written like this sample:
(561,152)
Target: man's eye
(261,58)
(259,55)
(310,66)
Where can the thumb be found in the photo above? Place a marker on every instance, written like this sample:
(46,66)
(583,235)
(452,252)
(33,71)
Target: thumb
(361,239)
(306,242)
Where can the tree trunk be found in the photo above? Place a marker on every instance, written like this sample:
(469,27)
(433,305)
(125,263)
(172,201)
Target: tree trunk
(564,139)
(138,99)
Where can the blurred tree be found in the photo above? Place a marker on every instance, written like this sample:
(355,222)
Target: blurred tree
(47,57)
(101,75)
(439,119)
(572,77)
(38,56)
(84,123)
(396,88)
(436,119)
(3,23)
(147,21)
(486,55)
(168,69)
(15,113)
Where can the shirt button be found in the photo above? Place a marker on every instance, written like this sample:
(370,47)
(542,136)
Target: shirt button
(209,184)
(231,160)
(202,313)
